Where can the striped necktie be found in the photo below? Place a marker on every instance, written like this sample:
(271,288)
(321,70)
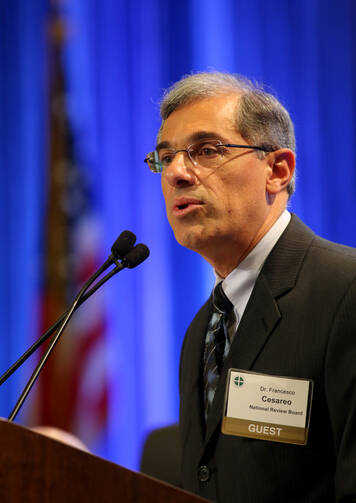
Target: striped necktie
(217,345)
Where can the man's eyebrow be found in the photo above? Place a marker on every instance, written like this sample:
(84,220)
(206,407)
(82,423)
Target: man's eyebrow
(205,135)
(199,135)
(163,144)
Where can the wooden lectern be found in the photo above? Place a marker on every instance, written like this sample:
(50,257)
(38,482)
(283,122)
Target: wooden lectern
(38,469)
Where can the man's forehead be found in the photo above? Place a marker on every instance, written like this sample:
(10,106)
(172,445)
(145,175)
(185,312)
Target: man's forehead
(210,117)
(192,138)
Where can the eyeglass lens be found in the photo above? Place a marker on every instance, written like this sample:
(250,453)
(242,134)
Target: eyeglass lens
(207,154)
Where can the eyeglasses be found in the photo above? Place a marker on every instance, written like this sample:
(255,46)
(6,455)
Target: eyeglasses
(207,154)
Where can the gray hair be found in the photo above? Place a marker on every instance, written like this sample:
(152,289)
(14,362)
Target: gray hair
(260,118)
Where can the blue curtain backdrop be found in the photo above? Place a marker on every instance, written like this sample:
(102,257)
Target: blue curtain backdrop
(23,96)
(118,57)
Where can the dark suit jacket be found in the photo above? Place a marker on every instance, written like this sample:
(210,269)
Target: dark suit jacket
(300,321)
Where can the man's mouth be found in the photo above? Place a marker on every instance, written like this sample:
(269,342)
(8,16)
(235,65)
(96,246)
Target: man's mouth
(183,206)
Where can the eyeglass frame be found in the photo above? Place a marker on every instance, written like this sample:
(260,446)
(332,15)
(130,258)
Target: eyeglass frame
(154,153)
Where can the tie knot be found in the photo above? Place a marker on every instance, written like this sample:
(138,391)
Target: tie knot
(220,301)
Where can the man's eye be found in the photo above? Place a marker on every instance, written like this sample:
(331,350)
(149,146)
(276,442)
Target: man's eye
(207,150)
(166,158)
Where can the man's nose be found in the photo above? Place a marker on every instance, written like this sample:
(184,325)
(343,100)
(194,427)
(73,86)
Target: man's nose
(180,172)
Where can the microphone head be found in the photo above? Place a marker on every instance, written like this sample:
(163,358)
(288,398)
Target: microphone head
(137,255)
(123,245)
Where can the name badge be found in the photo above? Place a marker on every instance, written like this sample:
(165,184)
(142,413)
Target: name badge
(267,407)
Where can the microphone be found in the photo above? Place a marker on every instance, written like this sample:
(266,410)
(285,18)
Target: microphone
(123,244)
(137,255)
(119,250)
(123,247)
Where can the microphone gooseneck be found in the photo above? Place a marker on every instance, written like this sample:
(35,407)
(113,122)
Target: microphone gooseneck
(123,249)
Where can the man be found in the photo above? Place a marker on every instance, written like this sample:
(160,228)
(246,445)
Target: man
(226,153)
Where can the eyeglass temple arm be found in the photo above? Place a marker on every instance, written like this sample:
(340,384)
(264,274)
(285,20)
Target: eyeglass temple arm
(255,147)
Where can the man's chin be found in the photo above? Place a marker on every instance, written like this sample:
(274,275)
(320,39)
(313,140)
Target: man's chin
(193,239)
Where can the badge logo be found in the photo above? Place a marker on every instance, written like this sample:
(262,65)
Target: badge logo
(239,381)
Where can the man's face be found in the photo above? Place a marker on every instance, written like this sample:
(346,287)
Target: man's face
(207,208)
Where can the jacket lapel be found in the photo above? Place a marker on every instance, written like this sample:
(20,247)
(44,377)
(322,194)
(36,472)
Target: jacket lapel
(190,378)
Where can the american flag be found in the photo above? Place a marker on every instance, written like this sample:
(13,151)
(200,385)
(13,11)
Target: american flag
(72,391)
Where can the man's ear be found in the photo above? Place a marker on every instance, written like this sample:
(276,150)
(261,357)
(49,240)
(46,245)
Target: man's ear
(282,165)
